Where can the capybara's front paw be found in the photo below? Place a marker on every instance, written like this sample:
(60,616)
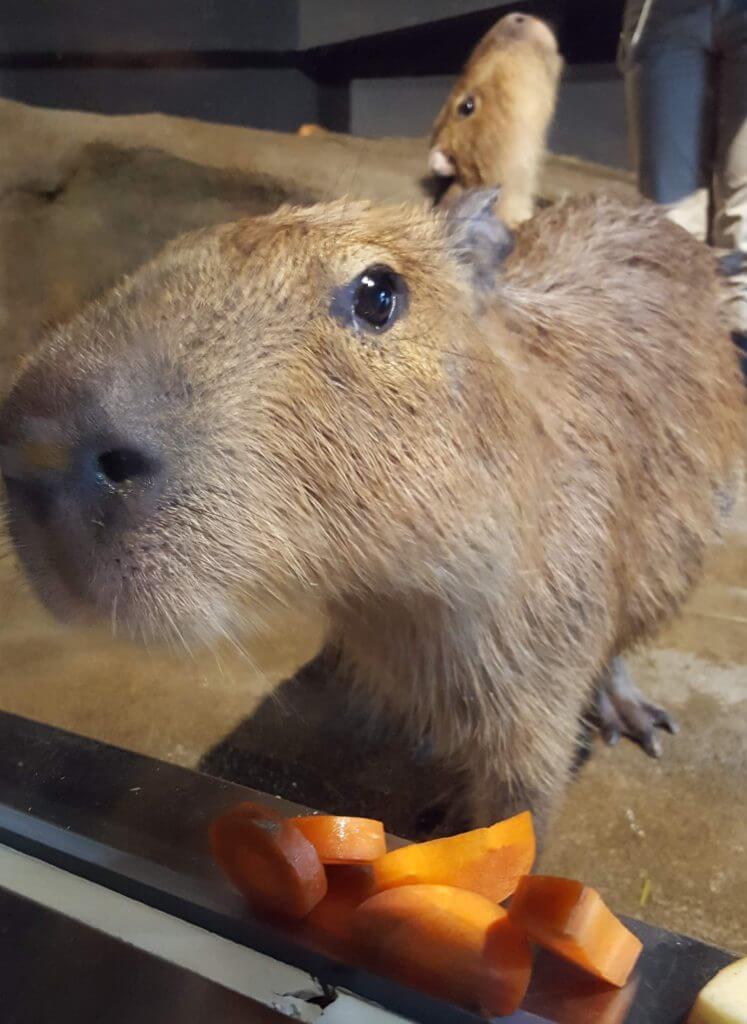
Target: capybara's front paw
(622,710)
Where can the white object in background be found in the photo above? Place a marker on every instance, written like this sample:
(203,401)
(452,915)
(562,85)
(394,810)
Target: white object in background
(724,998)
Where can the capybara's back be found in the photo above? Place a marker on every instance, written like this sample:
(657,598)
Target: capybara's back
(492,471)
(639,390)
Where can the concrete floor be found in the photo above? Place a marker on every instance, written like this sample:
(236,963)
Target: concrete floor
(676,828)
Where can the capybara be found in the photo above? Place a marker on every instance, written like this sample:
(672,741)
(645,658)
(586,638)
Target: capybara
(305,130)
(493,126)
(492,469)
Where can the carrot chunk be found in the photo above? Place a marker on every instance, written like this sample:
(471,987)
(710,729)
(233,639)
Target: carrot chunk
(449,942)
(347,887)
(341,840)
(572,920)
(268,860)
(488,861)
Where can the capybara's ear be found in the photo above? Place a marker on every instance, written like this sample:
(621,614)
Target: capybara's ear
(480,240)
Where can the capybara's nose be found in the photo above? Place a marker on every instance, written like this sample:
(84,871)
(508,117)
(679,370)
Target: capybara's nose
(441,164)
(118,466)
(95,481)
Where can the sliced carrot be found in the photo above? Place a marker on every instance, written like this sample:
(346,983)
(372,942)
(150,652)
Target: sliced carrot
(268,860)
(572,920)
(347,887)
(340,840)
(449,942)
(489,861)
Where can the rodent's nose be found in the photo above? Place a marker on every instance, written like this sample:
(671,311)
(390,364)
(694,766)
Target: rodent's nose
(441,164)
(96,481)
(84,470)
(126,465)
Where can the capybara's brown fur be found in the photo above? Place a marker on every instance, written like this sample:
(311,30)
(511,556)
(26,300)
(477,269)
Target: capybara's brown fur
(493,126)
(489,500)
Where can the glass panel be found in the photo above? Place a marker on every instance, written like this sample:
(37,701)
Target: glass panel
(397,514)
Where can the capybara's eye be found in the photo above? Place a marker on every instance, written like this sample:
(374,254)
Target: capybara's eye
(377,298)
(466,107)
(372,302)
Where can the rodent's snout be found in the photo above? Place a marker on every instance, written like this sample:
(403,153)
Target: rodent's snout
(38,471)
(441,164)
(518,26)
(76,481)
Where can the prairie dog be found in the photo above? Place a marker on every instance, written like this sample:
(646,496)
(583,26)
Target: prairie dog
(492,128)
(492,469)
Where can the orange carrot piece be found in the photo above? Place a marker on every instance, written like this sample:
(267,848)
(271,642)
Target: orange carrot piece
(268,860)
(347,887)
(449,942)
(572,920)
(341,840)
(488,861)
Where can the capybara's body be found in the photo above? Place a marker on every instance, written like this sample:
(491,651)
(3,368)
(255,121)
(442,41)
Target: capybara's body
(491,484)
(493,125)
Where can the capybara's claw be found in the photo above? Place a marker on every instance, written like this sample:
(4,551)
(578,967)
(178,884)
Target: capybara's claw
(622,710)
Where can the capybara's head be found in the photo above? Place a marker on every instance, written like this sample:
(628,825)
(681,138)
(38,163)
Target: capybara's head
(292,407)
(510,77)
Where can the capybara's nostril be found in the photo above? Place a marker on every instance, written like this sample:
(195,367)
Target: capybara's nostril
(123,465)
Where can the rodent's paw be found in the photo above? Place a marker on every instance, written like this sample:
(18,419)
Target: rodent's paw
(622,710)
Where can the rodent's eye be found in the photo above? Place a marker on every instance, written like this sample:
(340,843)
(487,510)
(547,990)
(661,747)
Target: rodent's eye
(466,107)
(372,301)
(375,298)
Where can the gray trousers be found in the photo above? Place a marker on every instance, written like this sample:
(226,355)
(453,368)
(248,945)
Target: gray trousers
(685,66)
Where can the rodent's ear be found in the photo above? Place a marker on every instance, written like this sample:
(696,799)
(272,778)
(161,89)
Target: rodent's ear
(480,240)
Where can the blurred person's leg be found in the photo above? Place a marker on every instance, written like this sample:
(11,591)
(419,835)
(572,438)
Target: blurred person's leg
(667,62)
(730,172)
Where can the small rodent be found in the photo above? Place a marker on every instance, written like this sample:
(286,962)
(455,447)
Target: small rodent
(305,130)
(492,128)
(492,469)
